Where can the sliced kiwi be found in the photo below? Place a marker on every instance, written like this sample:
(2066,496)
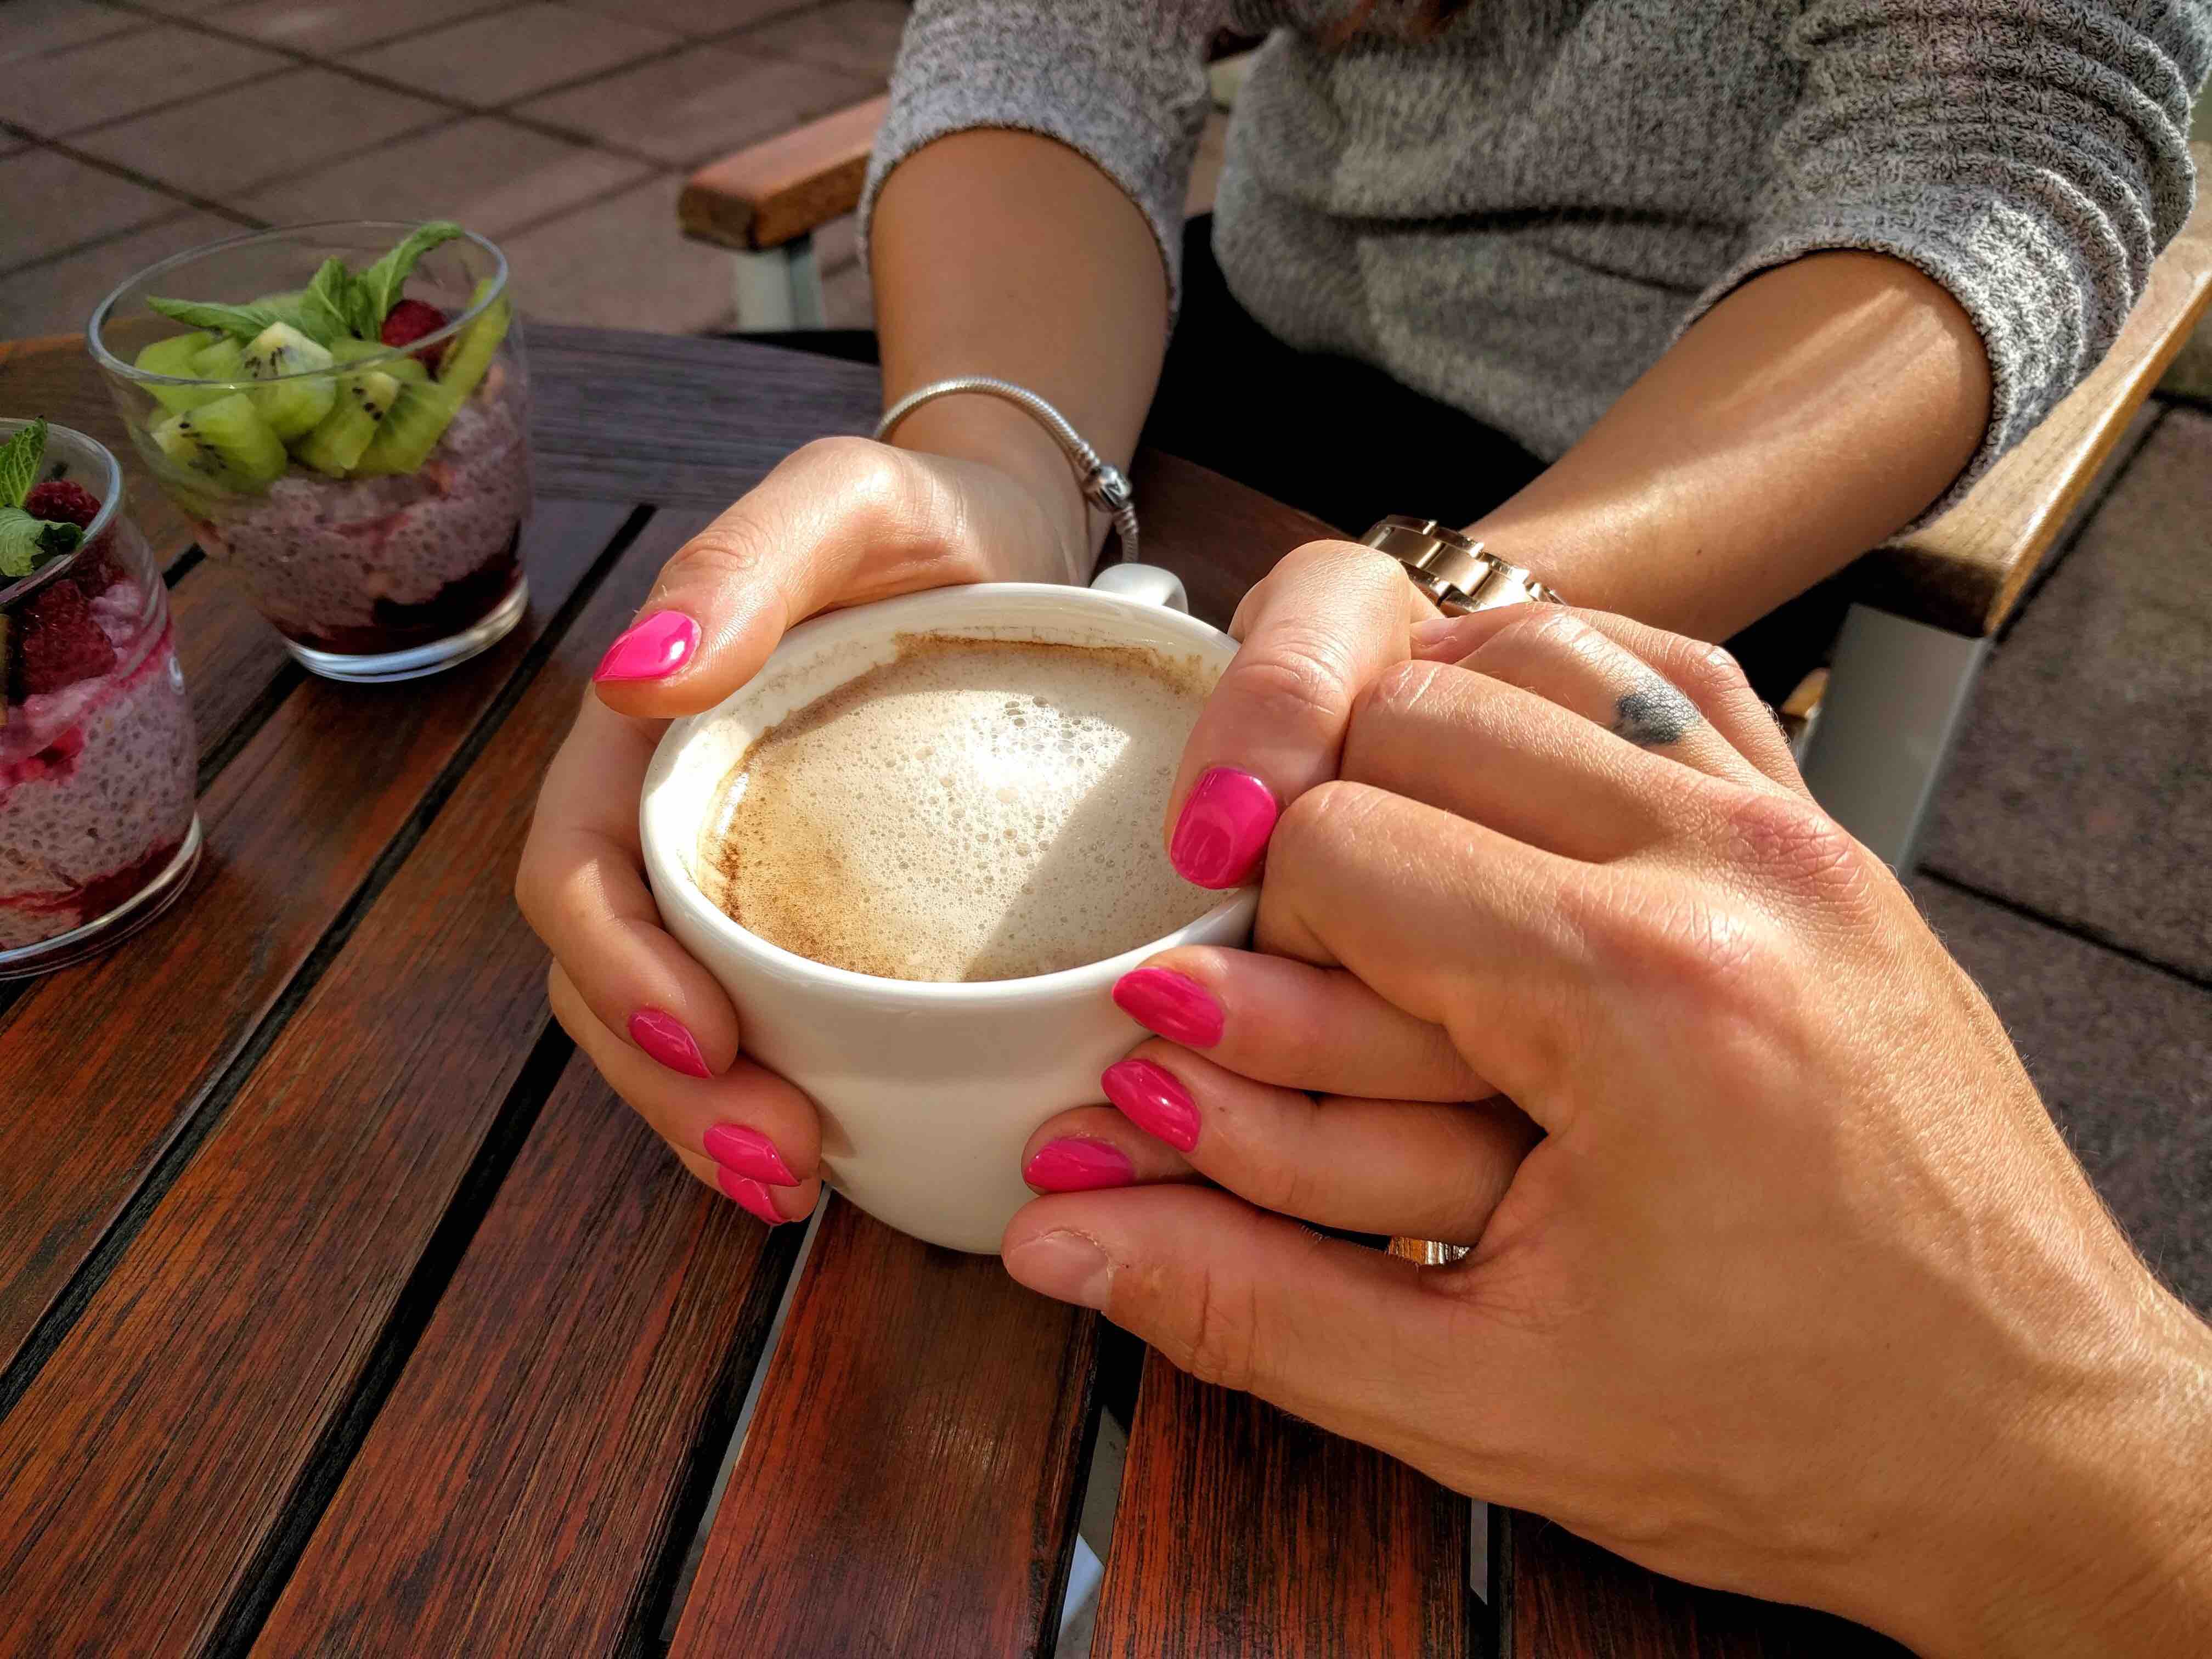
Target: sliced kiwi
(410,429)
(225,443)
(334,446)
(468,354)
(222,360)
(400,365)
(299,395)
(173,356)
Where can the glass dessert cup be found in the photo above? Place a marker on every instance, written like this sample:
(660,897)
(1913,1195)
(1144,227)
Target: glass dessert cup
(372,500)
(98,761)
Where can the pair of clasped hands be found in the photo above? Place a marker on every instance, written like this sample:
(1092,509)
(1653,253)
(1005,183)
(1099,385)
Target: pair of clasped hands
(1781,1279)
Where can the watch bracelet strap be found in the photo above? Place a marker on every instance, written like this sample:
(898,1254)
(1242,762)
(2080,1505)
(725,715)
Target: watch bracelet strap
(1453,571)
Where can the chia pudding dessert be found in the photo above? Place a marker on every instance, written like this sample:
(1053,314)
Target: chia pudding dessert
(355,450)
(97,754)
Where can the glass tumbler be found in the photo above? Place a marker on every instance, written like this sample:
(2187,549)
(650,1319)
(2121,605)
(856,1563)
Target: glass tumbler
(369,497)
(98,830)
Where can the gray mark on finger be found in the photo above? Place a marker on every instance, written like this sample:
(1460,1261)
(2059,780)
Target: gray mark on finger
(1653,715)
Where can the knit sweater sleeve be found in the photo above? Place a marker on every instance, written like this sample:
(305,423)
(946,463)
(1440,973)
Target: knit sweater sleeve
(2032,157)
(1122,84)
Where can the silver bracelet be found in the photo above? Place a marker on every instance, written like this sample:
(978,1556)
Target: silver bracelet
(1101,483)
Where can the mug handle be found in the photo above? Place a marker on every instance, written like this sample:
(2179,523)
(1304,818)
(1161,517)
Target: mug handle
(1147,582)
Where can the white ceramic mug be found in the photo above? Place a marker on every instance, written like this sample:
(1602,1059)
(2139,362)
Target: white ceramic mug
(927,1091)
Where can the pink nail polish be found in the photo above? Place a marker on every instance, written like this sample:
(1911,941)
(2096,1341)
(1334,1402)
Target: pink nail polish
(1224,828)
(1150,1098)
(750,1194)
(1075,1164)
(652,649)
(1065,1266)
(669,1040)
(748,1152)
(1174,1004)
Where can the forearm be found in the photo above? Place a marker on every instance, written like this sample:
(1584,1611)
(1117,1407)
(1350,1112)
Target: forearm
(1004,254)
(1812,412)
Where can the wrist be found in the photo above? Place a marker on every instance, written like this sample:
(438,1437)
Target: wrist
(2096,1537)
(997,435)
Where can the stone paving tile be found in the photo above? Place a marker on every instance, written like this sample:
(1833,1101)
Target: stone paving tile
(623,264)
(224,145)
(489,174)
(490,61)
(687,110)
(58,296)
(328,28)
(697,18)
(860,37)
(106,80)
(2123,1055)
(41,26)
(2082,781)
(50,204)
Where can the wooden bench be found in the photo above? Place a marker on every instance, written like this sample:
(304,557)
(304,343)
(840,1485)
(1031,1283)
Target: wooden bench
(1882,719)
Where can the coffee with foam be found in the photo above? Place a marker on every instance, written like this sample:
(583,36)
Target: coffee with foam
(974,809)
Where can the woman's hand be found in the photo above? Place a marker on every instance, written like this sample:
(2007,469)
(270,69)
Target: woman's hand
(842,521)
(1798,1293)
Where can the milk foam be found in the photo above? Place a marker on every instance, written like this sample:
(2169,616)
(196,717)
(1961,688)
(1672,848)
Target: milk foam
(972,810)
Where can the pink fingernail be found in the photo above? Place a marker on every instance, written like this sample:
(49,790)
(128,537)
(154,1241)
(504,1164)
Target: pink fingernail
(669,1040)
(1174,1004)
(1151,1099)
(750,1194)
(1075,1164)
(748,1152)
(1065,1266)
(1224,828)
(652,649)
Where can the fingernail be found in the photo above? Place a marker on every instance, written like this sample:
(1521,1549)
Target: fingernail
(669,1040)
(748,1152)
(1174,1004)
(1427,635)
(1224,828)
(1067,1267)
(750,1194)
(1074,1164)
(1151,1099)
(652,649)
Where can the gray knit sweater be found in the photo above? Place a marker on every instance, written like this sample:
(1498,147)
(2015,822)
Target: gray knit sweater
(1520,214)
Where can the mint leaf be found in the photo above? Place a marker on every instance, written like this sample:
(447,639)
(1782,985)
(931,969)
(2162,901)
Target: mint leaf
(243,321)
(332,306)
(26,543)
(384,281)
(19,462)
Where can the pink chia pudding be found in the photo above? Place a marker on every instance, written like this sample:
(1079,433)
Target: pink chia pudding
(96,774)
(372,564)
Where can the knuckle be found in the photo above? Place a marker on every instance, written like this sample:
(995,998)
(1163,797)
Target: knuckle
(1672,938)
(1294,682)
(1217,1340)
(1330,814)
(736,548)
(1788,842)
(1398,691)
(1708,671)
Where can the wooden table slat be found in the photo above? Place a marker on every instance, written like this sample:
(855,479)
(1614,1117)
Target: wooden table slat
(909,1481)
(1564,1598)
(231,657)
(118,1055)
(531,1483)
(155,1458)
(1245,1531)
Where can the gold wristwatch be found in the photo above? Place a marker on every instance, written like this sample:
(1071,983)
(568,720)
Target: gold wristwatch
(1453,571)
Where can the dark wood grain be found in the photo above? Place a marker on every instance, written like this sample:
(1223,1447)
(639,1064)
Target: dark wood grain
(230,656)
(909,1480)
(1244,1531)
(151,1462)
(117,1055)
(530,1484)
(1564,1598)
(1219,537)
(680,423)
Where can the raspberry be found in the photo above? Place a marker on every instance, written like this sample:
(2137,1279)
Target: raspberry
(408,322)
(95,572)
(56,641)
(58,501)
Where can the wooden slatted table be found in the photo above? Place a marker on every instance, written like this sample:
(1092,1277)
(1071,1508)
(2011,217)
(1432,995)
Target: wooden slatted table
(344,1311)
